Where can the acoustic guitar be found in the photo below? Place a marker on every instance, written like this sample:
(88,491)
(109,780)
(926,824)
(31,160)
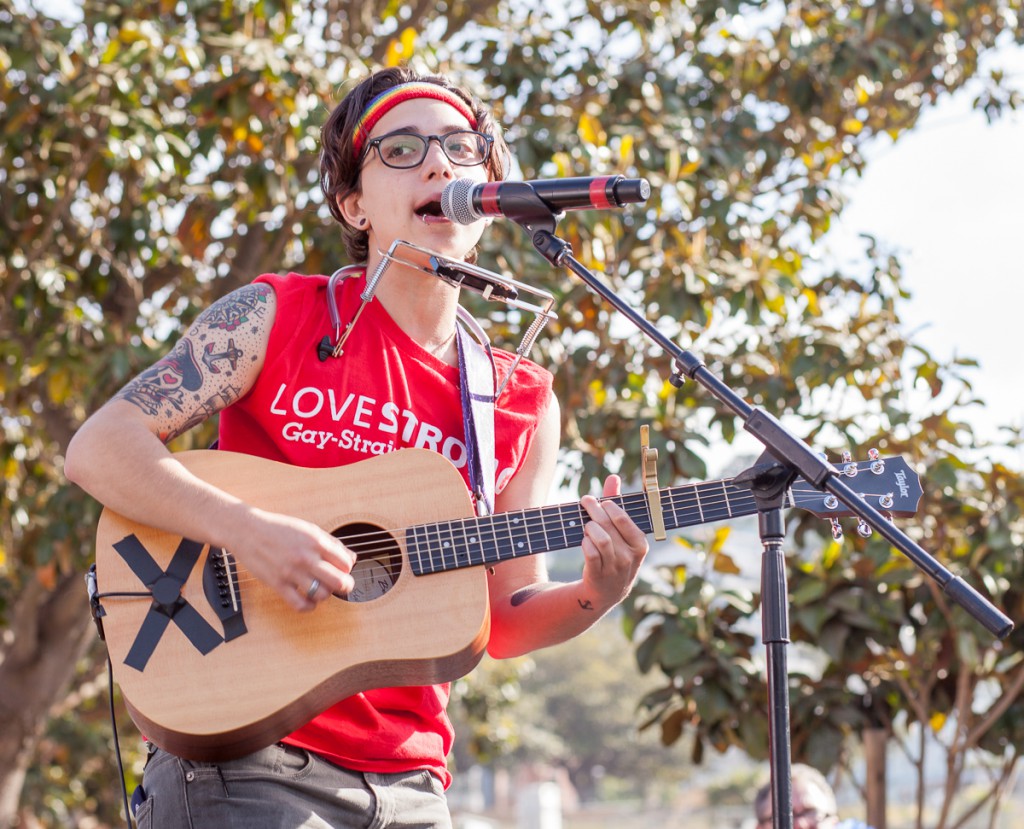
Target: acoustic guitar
(213,664)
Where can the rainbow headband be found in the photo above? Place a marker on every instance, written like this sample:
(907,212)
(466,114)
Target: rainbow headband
(390,98)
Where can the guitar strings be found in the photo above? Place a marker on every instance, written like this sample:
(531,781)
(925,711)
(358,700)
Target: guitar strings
(685,500)
(363,544)
(687,504)
(739,497)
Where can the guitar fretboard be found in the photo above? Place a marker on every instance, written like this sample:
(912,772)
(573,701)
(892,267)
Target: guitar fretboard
(470,542)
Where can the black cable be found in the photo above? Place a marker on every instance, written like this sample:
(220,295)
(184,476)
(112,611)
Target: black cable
(126,594)
(98,613)
(117,742)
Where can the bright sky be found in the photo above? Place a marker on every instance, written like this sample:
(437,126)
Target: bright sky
(950,196)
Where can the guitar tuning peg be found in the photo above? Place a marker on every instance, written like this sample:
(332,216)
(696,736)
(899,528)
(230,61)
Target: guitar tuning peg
(849,468)
(863,528)
(872,454)
(877,464)
(837,529)
(847,457)
(886,501)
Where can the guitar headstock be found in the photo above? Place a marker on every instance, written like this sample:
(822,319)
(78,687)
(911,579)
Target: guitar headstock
(887,484)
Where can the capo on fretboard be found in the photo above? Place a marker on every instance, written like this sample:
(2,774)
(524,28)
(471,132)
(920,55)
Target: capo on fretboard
(649,462)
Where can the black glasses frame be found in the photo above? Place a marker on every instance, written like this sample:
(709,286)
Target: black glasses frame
(374,143)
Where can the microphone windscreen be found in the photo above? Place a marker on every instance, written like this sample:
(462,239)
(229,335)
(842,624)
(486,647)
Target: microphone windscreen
(457,202)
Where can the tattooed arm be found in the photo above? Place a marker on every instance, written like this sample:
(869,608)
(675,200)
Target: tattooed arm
(527,610)
(214,364)
(120,457)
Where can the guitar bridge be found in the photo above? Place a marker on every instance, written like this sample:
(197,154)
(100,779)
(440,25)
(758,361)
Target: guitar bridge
(220,584)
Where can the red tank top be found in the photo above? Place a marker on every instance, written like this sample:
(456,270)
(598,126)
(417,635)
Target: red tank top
(384,393)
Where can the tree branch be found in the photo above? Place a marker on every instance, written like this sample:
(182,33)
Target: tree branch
(1008,696)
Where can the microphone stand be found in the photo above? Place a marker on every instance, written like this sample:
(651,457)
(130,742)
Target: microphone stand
(785,458)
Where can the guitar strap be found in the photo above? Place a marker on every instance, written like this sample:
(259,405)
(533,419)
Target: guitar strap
(476,385)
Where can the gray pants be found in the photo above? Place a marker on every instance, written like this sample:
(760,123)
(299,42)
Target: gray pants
(282,787)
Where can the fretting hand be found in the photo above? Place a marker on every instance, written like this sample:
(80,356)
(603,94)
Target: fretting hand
(613,547)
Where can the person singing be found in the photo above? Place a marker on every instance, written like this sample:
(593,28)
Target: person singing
(377,758)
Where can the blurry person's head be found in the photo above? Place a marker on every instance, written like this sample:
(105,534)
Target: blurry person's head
(814,802)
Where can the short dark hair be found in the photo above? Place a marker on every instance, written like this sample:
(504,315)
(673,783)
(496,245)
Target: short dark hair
(339,166)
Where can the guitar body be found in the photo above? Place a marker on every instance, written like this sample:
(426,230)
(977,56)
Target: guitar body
(253,687)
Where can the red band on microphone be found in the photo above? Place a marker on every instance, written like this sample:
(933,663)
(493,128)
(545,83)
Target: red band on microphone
(599,193)
(489,197)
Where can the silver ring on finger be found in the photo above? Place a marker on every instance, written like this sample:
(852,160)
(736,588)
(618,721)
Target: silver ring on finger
(313,587)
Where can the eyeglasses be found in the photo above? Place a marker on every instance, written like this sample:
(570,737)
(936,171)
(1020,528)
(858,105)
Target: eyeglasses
(404,150)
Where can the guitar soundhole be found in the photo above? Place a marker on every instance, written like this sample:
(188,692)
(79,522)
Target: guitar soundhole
(378,560)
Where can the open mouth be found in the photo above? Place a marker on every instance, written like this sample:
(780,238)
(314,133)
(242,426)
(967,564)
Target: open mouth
(431,211)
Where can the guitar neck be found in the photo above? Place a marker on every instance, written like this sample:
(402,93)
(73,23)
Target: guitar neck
(471,542)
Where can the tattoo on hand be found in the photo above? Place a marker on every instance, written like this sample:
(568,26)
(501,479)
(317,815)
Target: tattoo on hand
(586,604)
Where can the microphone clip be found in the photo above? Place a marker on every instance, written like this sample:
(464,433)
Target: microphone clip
(521,203)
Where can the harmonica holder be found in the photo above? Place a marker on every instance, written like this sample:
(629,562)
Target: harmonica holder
(491,286)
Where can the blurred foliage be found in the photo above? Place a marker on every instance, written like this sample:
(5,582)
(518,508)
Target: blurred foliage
(71,781)
(155,157)
(572,706)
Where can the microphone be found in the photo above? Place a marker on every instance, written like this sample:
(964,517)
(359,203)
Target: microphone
(464,201)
